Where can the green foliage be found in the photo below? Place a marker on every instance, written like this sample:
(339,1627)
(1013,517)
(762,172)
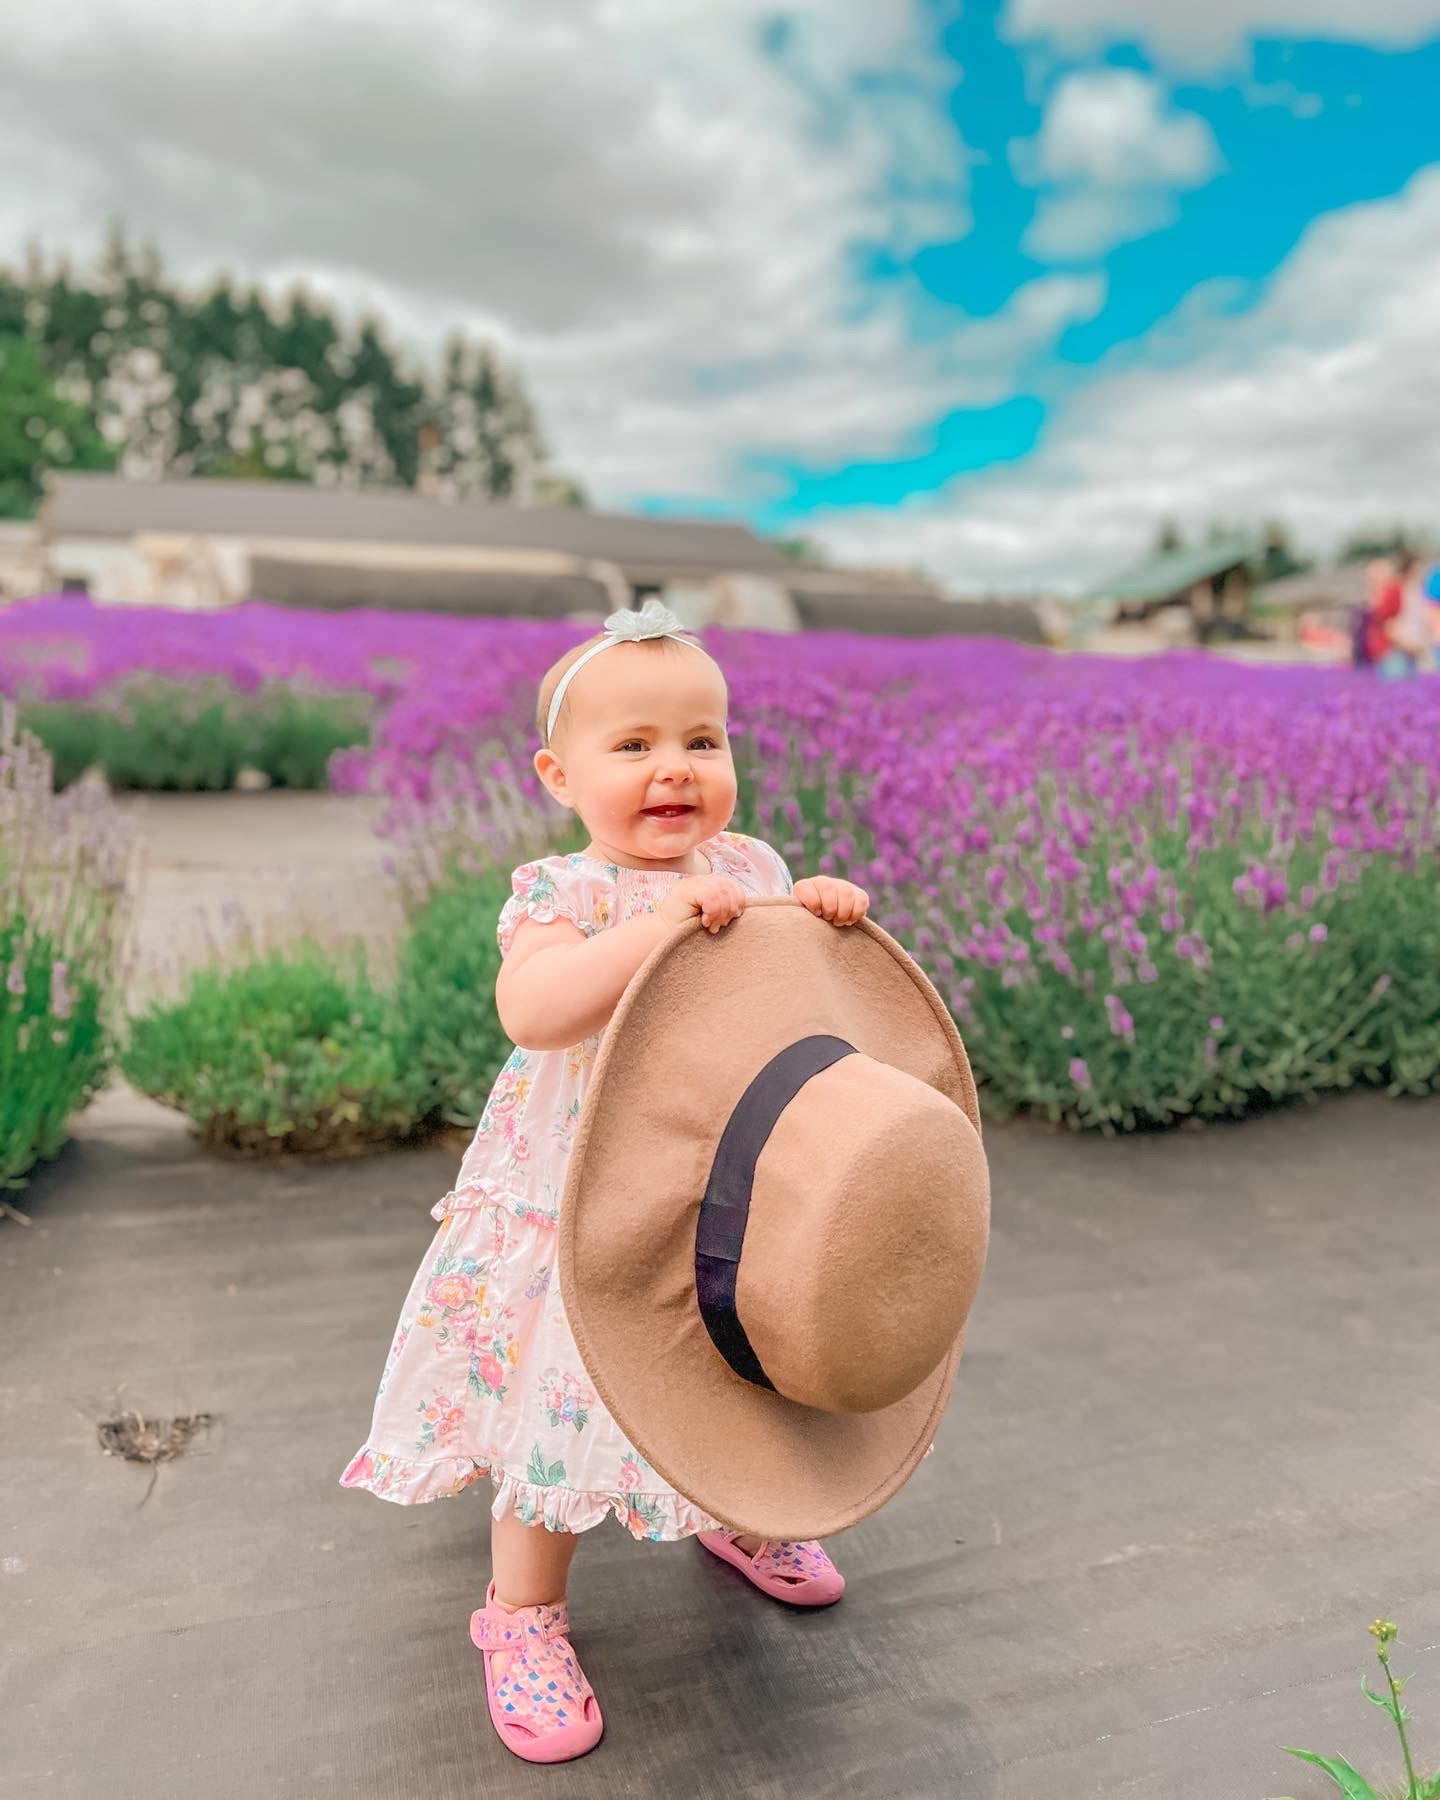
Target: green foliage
(296,734)
(53,1051)
(196,736)
(38,429)
(801,549)
(1351,1783)
(445,995)
(1380,540)
(227,383)
(290,1053)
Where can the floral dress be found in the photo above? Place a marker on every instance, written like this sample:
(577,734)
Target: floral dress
(483,1376)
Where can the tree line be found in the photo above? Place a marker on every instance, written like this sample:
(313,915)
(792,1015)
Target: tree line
(120,368)
(1278,556)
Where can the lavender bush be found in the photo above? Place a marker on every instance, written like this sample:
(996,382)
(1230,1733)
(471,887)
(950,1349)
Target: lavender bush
(1147,890)
(65,886)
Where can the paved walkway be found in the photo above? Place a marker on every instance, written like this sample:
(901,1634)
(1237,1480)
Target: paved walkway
(1195,1448)
(271,865)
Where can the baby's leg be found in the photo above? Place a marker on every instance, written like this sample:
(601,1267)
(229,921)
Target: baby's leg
(531,1564)
(549,1713)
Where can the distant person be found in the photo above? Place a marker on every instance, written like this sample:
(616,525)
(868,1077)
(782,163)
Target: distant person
(1369,633)
(1385,647)
(1412,631)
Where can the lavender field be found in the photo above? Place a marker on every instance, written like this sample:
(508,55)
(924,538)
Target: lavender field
(1147,890)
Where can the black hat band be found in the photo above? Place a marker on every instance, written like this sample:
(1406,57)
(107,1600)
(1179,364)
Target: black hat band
(725,1208)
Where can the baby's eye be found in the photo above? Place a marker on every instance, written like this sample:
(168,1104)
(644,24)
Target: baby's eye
(637,744)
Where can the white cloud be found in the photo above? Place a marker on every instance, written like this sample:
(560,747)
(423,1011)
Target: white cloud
(1317,408)
(1080,223)
(1110,127)
(1114,152)
(657,215)
(1213,32)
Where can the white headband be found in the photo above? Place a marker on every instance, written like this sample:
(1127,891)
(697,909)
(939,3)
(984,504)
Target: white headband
(652,621)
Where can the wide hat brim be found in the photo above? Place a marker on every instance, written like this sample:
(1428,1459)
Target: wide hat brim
(700,1016)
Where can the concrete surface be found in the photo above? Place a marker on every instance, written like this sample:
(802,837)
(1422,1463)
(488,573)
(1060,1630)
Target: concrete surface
(221,869)
(1195,1448)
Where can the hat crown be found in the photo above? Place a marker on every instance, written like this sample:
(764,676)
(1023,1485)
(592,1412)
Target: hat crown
(850,1301)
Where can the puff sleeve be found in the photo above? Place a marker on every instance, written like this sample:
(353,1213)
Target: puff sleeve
(546,891)
(771,867)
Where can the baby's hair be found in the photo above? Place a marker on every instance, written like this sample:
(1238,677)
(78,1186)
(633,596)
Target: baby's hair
(552,676)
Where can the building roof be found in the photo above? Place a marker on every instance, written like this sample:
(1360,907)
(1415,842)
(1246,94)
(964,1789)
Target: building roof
(502,593)
(1344,585)
(917,615)
(107,506)
(1173,571)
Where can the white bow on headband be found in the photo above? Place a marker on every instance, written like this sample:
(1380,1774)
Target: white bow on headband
(652,621)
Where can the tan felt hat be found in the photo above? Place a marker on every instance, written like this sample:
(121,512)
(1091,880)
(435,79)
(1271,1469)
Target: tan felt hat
(775,1218)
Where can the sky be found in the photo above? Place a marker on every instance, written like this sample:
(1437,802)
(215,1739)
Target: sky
(988,288)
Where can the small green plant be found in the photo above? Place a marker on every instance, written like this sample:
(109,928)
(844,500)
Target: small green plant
(1348,1779)
(53,1048)
(445,994)
(291,1053)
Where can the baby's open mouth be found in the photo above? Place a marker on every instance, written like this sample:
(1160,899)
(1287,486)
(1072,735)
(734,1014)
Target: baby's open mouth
(667,812)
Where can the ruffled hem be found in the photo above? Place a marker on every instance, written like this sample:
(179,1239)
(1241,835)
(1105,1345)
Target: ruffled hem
(662,1518)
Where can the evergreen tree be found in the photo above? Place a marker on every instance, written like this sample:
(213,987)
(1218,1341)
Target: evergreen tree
(39,429)
(225,382)
(1279,558)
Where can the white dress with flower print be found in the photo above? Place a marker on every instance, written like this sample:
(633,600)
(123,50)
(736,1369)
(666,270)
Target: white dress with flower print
(483,1377)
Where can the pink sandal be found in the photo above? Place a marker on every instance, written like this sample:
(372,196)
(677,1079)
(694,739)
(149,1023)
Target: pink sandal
(543,1709)
(798,1574)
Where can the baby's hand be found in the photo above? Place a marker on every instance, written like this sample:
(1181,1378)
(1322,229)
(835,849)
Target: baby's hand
(841,902)
(716,898)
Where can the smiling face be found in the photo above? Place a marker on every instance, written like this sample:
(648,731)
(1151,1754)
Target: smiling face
(641,754)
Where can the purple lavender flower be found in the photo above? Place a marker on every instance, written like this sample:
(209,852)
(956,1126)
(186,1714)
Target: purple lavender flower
(1121,1022)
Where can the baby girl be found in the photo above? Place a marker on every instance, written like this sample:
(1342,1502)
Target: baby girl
(483,1376)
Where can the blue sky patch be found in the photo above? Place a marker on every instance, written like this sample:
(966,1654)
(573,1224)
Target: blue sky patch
(1244,162)
(963,441)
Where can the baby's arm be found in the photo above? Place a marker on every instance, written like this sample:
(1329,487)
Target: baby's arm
(557,986)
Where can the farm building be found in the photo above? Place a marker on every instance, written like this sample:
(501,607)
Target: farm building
(215,543)
(1203,593)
